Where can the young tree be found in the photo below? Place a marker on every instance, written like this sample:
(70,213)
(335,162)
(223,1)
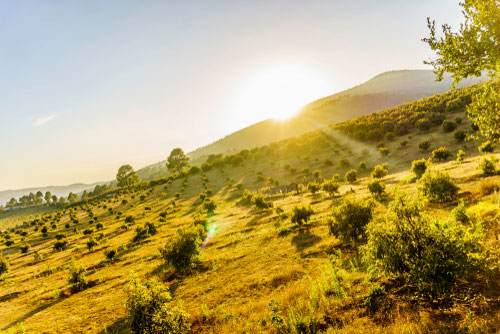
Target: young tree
(350,220)
(469,52)
(126,176)
(177,160)
(48,197)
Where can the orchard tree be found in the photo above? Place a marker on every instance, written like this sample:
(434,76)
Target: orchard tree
(177,160)
(472,49)
(126,176)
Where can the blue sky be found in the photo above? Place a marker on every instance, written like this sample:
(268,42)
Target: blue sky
(86,86)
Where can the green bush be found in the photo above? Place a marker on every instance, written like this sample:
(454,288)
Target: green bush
(4,265)
(460,156)
(110,254)
(460,213)
(424,124)
(349,220)
(351,176)
(260,202)
(437,186)
(424,251)
(330,186)
(61,245)
(25,248)
(149,311)
(488,166)
(182,250)
(441,154)
(77,278)
(486,147)
(424,145)
(313,187)
(448,126)
(376,188)
(301,215)
(384,151)
(459,135)
(380,171)
(418,167)
(209,205)
(144,232)
(91,243)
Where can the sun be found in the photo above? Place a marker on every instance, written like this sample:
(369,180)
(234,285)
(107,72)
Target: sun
(279,91)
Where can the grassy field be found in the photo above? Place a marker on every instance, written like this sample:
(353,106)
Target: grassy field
(250,256)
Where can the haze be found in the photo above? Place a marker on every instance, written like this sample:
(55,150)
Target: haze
(88,86)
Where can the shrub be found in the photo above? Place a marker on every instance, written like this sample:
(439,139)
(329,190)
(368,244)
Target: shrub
(344,163)
(60,236)
(424,145)
(260,202)
(376,188)
(488,166)
(317,174)
(448,126)
(384,151)
(182,250)
(458,120)
(424,251)
(418,167)
(437,186)
(313,187)
(424,124)
(380,171)
(349,220)
(25,248)
(351,176)
(362,165)
(129,219)
(390,136)
(247,197)
(77,278)
(61,245)
(459,135)
(144,232)
(441,154)
(149,312)
(209,205)
(460,213)
(91,243)
(88,231)
(460,156)
(486,147)
(301,215)
(330,186)
(110,254)
(4,265)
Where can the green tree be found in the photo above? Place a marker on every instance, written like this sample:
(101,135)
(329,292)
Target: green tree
(177,160)
(468,52)
(349,220)
(126,176)
(48,197)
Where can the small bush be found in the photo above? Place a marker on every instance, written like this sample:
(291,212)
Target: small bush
(459,135)
(313,187)
(344,163)
(380,171)
(61,245)
(429,253)
(144,232)
(362,165)
(110,254)
(418,167)
(209,205)
(488,166)
(182,250)
(301,215)
(384,151)
(424,124)
(437,186)
(376,188)
(149,312)
(77,278)
(424,146)
(441,154)
(486,147)
(351,176)
(460,156)
(448,126)
(60,236)
(260,202)
(25,248)
(460,213)
(4,265)
(349,220)
(91,243)
(330,186)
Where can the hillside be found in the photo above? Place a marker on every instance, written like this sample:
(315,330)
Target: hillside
(274,247)
(383,91)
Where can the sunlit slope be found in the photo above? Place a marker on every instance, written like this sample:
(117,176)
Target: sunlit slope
(383,91)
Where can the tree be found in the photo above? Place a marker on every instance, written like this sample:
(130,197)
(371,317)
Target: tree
(349,220)
(469,52)
(351,176)
(182,250)
(441,154)
(330,186)
(380,171)
(460,156)
(177,160)
(4,265)
(48,197)
(126,176)
(437,186)
(418,167)
(72,198)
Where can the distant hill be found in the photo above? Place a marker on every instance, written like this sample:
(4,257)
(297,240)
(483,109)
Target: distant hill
(59,191)
(385,90)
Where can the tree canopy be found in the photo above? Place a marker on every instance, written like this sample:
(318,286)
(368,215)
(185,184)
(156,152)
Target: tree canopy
(470,51)
(126,176)
(177,160)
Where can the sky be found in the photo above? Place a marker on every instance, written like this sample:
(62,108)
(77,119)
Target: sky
(87,86)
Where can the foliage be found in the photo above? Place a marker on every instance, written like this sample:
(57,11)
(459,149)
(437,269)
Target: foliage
(380,171)
(177,160)
(441,154)
(424,145)
(183,249)
(459,135)
(126,176)
(91,243)
(77,277)
(488,166)
(351,176)
(448,126)
(460,156)
(424,124)
(486,147)
(460,213)
(61,245)
(418,167)
(424,251)
(209,205)
(149,311)
(437,186)
(376,188)
(384,151)
(330,186)
(313,187)
(350,219)
(144,232)
(4,265)
(260,202)
(301,215)
(25,248)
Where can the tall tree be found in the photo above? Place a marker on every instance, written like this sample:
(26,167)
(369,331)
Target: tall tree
(126,176)
(48,197)
(72,198)
(177,160)
(473,49)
